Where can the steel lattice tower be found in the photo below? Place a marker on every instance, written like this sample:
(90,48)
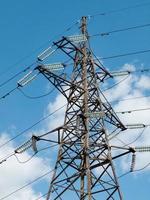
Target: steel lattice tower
(84,167)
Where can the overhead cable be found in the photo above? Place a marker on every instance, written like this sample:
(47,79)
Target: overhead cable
(120,30)
(6,158)
(36,97)
(142,168)
(16,75)
(138,137)
(147,3)
(126,72)
(40,96)
(132,98)
(130,111)
(119,82)
(8,93)
(43,149)
(30,76)
(33,125)
(23,162)
(126,54)
(41,196)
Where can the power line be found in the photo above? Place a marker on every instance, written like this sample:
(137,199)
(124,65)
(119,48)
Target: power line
(13,65)
(119,82)
(23,162)
(16,75)
(130,111)
(25,80)
(19,88)
(6,158)
(9,93)
(126,54)
(40,96)
(147,3)
(129,172)
(127,72)
(41,196)
(141,70)
(124,174)
(140,169)
(43,149)
(33,125)
(36,97)
(120,30)
(139,135)
(132,98)
(137,138)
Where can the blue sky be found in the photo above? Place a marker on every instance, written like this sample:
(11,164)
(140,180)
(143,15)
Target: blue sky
(28,27)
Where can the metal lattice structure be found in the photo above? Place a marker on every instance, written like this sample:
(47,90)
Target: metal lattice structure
(85,164)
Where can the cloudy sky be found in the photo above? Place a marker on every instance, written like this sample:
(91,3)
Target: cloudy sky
(27,28)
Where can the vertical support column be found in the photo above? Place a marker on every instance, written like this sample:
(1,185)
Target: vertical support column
(85,111)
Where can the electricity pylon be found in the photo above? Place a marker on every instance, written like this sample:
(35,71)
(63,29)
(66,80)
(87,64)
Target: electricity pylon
(84,167)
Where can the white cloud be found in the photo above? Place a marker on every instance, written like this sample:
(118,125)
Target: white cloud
(144,82)
(123,84)
(14,175)
(26,194)
(57,118)
(132,87)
